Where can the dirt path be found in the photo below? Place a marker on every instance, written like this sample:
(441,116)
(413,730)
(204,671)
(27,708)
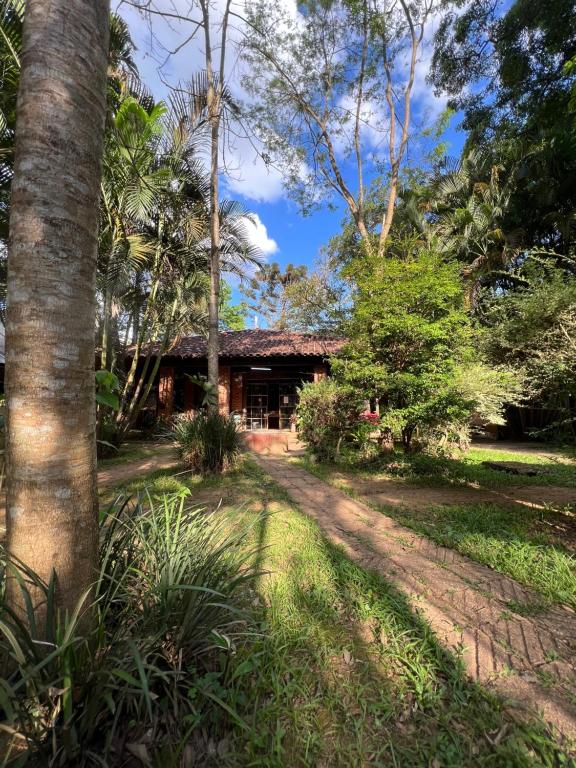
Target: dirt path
(530,661)
(165,457)
(384,491)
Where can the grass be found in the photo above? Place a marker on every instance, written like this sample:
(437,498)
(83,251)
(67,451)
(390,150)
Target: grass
(469,470)
(534,546)
(342,672)
(130,451)
(505,539)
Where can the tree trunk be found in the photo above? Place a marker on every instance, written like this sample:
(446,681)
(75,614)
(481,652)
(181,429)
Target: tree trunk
(214,298)
(214,104)
(52,508)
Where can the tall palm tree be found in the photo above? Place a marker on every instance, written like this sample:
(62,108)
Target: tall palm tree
(52,523)
(467,218)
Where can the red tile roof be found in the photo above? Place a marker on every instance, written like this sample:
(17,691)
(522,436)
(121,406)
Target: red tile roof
(259,343)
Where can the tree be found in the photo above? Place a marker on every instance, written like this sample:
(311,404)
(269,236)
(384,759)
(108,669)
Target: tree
(320,301)
(411,342)
(232,317)
(215,75)
(507,66)
(52,510)
(504,63)
(331,86)
(266,292)
(533,330)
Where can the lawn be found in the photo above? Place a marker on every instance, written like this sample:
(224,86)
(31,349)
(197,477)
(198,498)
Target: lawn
(468,469)
(534,545)
(129,451)
(339,671)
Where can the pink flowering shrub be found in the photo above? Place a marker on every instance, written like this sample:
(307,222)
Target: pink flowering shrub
(370,418)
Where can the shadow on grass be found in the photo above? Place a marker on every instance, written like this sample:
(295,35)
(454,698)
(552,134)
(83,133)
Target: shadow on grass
(348,675)
(343,672)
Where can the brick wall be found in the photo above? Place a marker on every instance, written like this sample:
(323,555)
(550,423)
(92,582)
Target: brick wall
(224,390)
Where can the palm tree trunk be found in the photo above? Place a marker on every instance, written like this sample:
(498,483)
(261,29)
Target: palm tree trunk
(52,508)
(106,317)
(214,103)
(214,297)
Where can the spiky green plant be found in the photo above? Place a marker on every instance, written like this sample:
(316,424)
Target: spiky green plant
(82,690)
(208,441)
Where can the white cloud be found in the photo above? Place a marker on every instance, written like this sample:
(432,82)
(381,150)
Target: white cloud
(260,237)
(248,175)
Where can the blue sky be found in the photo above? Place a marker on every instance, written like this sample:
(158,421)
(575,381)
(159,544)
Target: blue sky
(282,232)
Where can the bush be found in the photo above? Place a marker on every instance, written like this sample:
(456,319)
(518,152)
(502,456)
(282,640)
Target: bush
(327,413)
(165,612)
(209,442)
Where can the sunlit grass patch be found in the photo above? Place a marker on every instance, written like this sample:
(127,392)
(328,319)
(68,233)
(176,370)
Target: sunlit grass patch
(505,539)
(467,469)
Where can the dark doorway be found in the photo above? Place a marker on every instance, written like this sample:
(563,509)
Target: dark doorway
(270,404)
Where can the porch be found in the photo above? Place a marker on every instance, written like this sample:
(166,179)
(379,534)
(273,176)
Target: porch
(261,395)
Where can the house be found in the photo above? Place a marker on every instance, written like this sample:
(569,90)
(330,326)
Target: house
(260,372)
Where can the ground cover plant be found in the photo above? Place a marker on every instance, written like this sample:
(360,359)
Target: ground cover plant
(341,671)
(467,469)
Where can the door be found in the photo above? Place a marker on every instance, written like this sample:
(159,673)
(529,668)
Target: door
(287,404)
(257,406)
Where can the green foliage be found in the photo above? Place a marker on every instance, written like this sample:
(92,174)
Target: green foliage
(411,343)
(89,692)
(208,442)
(266,292)
(210,396)
(319,301)
(232,317)
(327,412)
(107,387)
(516,51)
(534,329)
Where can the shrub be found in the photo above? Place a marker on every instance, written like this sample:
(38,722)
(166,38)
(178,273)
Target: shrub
(166,607)
(208,441)
(327,413)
